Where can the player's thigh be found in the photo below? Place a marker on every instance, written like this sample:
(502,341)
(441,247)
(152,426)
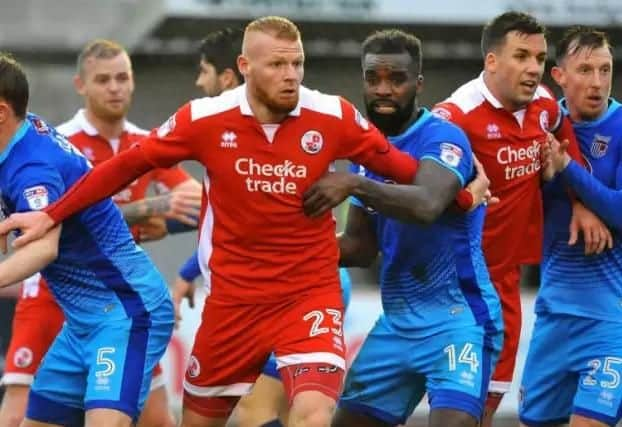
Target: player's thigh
(226,359)
(32,423)
(14,404)
(105,417)
(309,345)
(598,362)
(506,282)
(156,412)
(381,384)
(265,402)
(458,364)
(121,356)
(548,384)
(57,392)
(35,327)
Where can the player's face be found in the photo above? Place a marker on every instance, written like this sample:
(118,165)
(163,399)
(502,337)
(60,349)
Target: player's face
(107,85)
(273,70)
(516,68)
(585,79)
(207,80)
(390,83)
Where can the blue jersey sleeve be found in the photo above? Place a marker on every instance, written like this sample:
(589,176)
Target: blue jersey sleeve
(449,147)
(191,270)
(35,186)
(604,201)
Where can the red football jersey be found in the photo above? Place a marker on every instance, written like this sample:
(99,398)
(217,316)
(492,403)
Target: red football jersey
(509,146)
(255,241)
(97,149)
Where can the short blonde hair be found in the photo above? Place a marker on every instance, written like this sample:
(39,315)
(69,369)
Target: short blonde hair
(277,26)
(99,49)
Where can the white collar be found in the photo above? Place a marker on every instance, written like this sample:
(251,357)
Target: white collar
(245,107)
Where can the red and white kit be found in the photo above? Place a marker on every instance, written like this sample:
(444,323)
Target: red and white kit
(509,146)
(36,322)
(97,149)
(271,271)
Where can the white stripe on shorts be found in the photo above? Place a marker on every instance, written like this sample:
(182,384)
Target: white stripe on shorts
(238,389)
(319,357)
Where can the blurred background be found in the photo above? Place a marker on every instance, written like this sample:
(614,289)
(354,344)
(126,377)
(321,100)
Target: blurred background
(162,37)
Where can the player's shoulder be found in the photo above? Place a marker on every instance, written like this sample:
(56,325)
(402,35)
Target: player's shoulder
(211,106)
(462,101)
(322,103)
(75,125)
(134,130)
(545,97)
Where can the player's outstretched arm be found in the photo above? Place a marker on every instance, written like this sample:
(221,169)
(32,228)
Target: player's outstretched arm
(435,187)
(30,258)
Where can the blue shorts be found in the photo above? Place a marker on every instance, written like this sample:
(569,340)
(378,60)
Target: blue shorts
(109,366)
(574,366)
(392,372)
(269,368)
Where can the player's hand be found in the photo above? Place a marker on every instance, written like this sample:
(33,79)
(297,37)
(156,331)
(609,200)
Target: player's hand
(184,206)
(596,235)
(33,225)
(480,187)
(328,192)
(153,228)
(547,170)
(182,289)
(558,153)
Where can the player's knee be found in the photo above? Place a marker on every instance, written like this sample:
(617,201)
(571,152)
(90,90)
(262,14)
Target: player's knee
(452,418)
(252,411)
(311,409)
(13,407)
(8,419)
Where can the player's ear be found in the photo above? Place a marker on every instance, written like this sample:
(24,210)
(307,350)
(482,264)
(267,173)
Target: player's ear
(5,111)
(419,84)
(490,62)
(227,79)
(558,75)
(243,65)
(78,84)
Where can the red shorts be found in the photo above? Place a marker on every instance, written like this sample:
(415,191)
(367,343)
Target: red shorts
(37,321)
(234,342)
(507,282)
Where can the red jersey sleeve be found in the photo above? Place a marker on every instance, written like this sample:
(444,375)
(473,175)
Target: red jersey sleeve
(166,146)
(450,112)
(363,144)
(174,141)
(171,177)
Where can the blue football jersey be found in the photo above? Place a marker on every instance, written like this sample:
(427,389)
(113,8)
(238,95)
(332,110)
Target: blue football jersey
(434,277)
(572,283)
(100,272)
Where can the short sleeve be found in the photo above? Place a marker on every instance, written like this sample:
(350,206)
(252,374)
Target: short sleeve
(448,146)
(35,186)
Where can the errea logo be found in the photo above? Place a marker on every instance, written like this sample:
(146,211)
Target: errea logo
(227,139)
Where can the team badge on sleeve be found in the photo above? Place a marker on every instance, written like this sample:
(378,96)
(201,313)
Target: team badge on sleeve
(37,197)
(442,113)
(166,127)
(451,154)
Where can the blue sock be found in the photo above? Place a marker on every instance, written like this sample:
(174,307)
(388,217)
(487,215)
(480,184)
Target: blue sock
(273,423)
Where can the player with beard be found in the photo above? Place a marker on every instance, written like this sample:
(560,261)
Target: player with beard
(271,271)
(440,332)
(507,114)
